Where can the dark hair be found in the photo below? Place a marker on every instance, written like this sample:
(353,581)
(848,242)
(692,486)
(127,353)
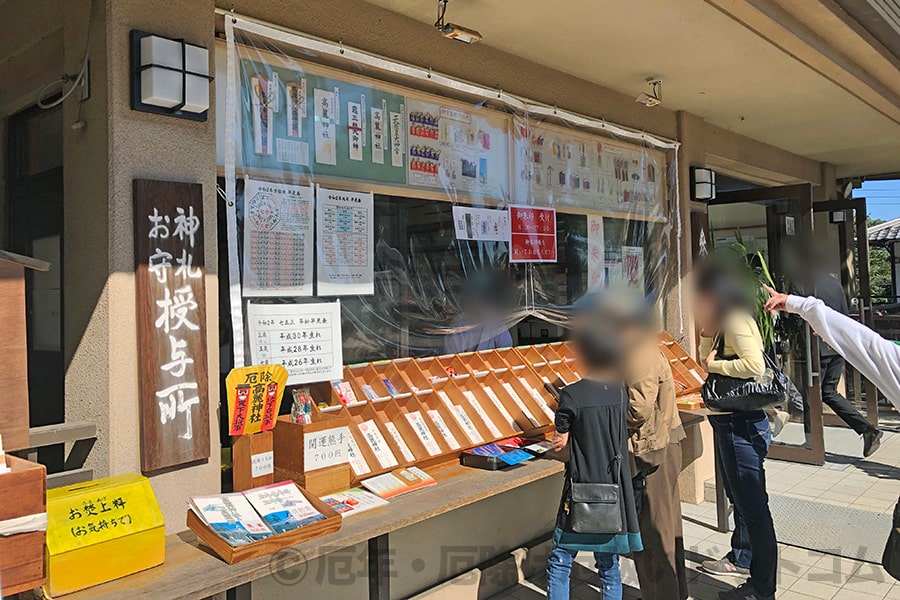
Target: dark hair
(727,286)
(599,345)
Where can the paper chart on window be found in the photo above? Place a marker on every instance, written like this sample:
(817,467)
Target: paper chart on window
(278,239)
(345,231)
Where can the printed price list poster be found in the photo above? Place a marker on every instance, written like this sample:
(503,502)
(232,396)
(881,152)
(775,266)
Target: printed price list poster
(278,239)
(304,338)
(346,243)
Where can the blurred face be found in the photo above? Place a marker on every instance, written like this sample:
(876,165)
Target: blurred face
(705,310)
(634,336)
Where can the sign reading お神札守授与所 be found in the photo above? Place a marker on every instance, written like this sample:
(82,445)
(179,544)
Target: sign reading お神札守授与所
(171,313)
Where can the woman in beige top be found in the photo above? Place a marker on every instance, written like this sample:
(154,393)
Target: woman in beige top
(732,346)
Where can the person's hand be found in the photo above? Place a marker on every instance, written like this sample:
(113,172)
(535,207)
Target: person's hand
(777,301)
(712,356)
(559,440)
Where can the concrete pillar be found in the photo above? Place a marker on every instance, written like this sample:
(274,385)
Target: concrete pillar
(697,456)
(679,319)
(116,146)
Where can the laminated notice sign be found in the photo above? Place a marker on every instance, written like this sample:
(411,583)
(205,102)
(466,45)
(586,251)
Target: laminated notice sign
(304,338)
(345,231)
(278,239)
(532,234)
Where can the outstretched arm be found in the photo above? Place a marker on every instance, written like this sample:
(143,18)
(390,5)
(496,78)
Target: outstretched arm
(876,358)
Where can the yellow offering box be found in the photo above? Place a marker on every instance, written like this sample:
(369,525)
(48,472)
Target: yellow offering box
(102,530)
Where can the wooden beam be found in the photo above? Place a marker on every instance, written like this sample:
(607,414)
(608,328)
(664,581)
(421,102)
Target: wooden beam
(770,20)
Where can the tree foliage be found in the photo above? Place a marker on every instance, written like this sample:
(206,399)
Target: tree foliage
(879,271)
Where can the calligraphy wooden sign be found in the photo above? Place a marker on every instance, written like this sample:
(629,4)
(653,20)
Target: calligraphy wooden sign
(171,312)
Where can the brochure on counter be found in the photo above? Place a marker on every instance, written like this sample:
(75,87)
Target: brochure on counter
(353,501)
(399,481)
(244,517)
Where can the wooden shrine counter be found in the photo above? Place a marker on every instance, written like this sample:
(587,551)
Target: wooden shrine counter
(191,571)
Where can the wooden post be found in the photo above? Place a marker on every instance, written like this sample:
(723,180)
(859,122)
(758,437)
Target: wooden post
(252,461)
(14,349)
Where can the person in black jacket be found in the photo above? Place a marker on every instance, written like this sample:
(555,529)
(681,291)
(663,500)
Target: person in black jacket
(831,365)
(591,420)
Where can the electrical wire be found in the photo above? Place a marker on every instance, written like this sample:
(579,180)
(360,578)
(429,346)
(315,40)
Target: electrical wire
(78,78)
(442,10)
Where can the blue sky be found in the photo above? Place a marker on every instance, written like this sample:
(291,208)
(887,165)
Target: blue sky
(882,198)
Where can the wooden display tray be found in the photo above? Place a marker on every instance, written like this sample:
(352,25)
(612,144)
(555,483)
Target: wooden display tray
(373,411)
(683,366)
(472,361)
(233,554)
(23,491)
(413,377)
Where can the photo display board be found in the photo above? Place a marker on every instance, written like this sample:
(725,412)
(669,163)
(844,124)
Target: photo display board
(301,121)
(564,167)
(461,150)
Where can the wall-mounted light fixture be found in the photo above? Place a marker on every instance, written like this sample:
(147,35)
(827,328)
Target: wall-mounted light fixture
(169,76)
(703,184)
(654,98)
(837,216)
(452,31)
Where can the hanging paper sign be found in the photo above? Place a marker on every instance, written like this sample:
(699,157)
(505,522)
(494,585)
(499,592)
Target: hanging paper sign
(325,121)
(633,267)
(596,257)
(303,338)
(254,395)
(532,234)
(378,135)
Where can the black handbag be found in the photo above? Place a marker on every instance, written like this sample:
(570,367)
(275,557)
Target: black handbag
(890,560)
(730,394)
(597,507)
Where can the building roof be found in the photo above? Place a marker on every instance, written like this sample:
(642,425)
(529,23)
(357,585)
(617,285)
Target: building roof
(885,232)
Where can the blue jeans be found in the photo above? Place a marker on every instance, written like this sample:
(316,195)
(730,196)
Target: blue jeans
(559,569)
(742,442)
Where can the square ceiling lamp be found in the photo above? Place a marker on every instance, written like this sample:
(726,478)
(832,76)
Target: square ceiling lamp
(703,184)
(169,76)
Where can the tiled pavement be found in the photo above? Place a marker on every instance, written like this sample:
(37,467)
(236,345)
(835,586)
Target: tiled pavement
(804,574)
